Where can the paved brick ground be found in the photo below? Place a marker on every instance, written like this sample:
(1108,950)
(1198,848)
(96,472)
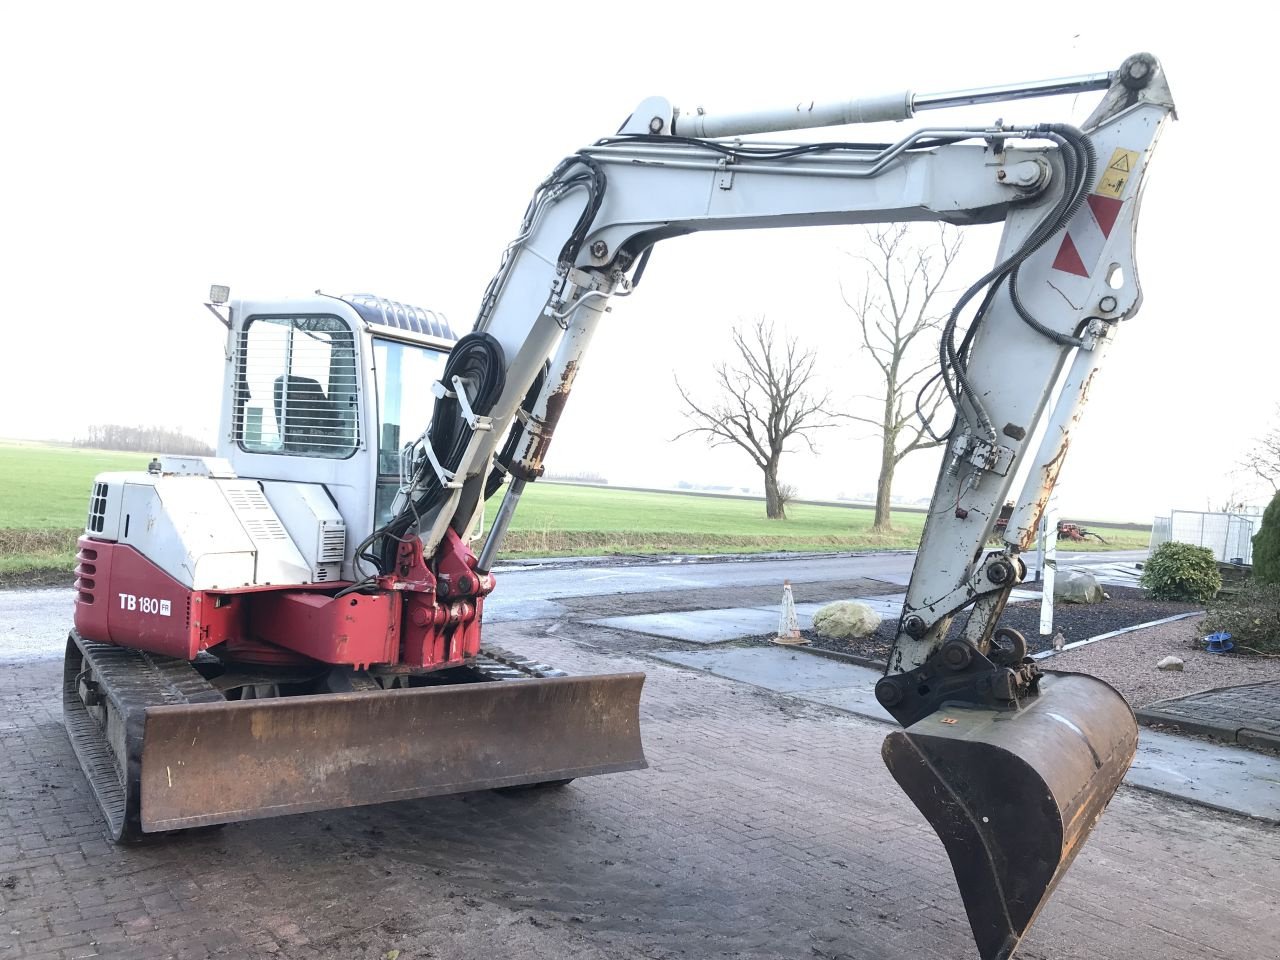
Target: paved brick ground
(1249,714)
(764,828)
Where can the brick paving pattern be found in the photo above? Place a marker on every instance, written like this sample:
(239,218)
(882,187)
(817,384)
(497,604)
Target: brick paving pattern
(1248,715)
(764,828)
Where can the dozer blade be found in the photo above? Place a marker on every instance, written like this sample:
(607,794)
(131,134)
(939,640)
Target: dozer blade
(206,763)
(1013,795)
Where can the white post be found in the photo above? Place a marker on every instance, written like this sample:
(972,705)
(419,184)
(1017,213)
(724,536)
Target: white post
(1040,547)
(788,626)
(1050,563)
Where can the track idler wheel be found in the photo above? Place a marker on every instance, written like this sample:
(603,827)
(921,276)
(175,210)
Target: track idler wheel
(1013,794)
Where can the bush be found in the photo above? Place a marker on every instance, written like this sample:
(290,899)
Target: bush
(1251,616)
(1179,571)
(786,494)
(1266,545)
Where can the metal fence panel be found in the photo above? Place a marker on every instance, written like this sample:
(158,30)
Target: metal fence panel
(1160,532)
(1228,535)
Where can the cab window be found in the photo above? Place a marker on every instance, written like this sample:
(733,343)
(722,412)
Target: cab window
(405,373)
(297,387)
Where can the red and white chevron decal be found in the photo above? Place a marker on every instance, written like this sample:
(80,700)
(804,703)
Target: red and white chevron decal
(1084,239)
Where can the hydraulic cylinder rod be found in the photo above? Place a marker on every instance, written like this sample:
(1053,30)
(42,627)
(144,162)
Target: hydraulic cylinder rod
(901,105)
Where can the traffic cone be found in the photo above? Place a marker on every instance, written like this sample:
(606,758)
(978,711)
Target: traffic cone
(788,628)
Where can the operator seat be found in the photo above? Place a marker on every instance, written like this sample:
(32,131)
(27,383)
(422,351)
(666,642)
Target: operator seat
(310,420)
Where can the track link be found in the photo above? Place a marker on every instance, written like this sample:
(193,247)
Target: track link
(495,663)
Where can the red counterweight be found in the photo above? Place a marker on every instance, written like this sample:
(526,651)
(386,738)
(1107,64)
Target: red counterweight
(415,619)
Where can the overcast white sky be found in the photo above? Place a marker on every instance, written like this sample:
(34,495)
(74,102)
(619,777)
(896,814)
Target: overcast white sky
(153,149)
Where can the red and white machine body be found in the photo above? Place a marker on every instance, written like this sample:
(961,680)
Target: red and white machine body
(247,551)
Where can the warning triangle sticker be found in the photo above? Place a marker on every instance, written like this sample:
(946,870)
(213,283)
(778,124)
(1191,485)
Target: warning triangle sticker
(1105,210)
(1120,163)
(1068,258)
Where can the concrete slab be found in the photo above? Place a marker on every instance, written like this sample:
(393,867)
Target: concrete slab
(718,626)
(1118,574)
(888,605)
(859,699)
(554,581)
(774,668)
(1222,777)
(499,609)
(699,626)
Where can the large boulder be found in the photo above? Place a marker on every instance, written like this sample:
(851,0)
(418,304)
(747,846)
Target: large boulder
(1078,587)
(845,620)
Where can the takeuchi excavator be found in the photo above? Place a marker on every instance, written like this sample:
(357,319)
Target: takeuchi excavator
(295,624)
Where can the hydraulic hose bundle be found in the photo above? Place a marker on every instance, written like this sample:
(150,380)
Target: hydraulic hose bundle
(1079,161)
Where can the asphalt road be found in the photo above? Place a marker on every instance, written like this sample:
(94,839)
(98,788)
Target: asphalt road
(560,578)
(34,623)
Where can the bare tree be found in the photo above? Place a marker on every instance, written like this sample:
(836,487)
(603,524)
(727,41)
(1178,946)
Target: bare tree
(764,400)
(115,436)
(899,311)
(1264,459)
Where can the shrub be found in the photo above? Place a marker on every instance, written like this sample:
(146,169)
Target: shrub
(786,494)
(1179,571)
(1266,545)
(1251,616)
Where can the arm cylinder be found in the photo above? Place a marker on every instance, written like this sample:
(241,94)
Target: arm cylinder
(1017,91)
(901,105)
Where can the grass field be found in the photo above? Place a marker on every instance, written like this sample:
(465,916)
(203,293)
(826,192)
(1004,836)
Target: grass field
(44,493)
(44,497)
(560,519)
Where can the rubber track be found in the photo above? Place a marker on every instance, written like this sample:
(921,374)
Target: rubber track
(129,681)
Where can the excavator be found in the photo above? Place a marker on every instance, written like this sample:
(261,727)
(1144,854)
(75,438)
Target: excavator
(295,623)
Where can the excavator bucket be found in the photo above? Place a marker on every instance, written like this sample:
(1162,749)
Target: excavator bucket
(206,763)
(1014,794)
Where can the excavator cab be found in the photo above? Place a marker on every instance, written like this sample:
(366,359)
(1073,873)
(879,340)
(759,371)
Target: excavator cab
(234,658)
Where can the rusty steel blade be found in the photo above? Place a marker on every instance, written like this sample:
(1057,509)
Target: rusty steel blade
(208,763)
(1013,795)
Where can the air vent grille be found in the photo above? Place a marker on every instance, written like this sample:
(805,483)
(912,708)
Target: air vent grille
(97,509)
(333,543)
(262,528)
(254,512)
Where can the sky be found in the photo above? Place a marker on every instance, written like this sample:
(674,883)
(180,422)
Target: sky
(280,148)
